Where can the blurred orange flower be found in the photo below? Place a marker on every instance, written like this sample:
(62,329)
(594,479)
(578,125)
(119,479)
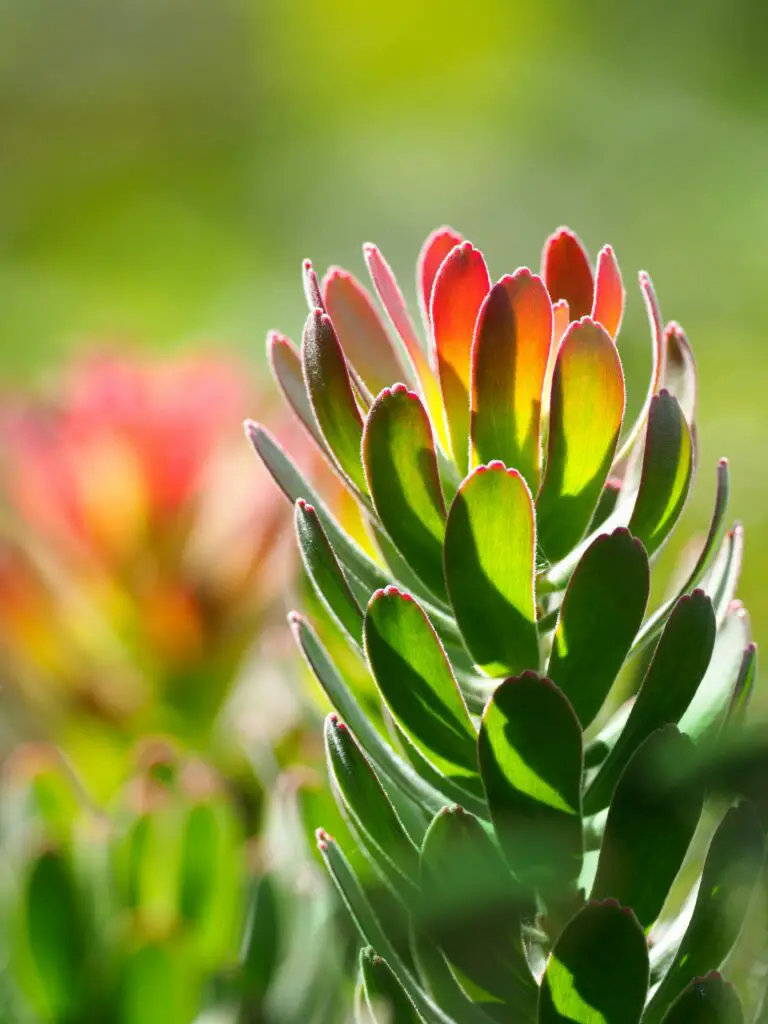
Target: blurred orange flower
(140,548)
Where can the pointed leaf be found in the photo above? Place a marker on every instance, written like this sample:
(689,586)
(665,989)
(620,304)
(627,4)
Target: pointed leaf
(285,363)
(489,569)
(708,1000)
(384,994)
(598,971)
(391,297)
(461,284)
(586,410)
(680,370)
(289,479)
(648,830)
(330,392)
(433,252)
(666,473)
(567,273)
(654,624)
(509,363)
(370,927)
(708,709)
(341,697)
(401,469)
(676,670)
(416,681)
(599,618)
(472,907)
(608,307)
(657,368)
(312,292)
(360,330)
(731,870)
(530,754)
(324,571)
(369,806)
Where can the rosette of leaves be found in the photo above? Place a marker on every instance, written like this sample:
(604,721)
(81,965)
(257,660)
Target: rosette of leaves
(534,865)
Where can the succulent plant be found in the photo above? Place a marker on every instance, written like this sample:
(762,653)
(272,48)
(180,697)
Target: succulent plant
(499,747)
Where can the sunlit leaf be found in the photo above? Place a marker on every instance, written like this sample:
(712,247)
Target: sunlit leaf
(509,362)
(489,569)
(567,273)
(530,754)
(586,411)
(608,306)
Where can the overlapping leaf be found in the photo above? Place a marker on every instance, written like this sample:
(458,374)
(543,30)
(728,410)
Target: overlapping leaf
(586,411)
(404,481)
(489,569)
(509,363)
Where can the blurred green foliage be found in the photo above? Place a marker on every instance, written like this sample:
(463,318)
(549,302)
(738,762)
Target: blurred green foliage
(167,163)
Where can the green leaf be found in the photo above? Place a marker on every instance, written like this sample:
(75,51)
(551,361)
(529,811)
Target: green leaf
(666,473)
(530,754)
(680,370)
(509,362)
(369,926)
(159,984)
(648,830)
(598,970)
(654,624)
(490,540)
(55,932)
(415,679)
(260,951)
(709,707)
(676,670)
(657,368)
(324,570)
(285,363)
(381,754)
(441,982)
(384,994)
(403,478)
(586,411)
(731,869)
(708,1000)
(294,485)
(601,613)
(723,578)
(332,397)
(369,806)
(473,909)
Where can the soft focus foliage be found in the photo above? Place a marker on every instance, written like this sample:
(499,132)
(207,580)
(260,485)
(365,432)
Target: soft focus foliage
(130,589)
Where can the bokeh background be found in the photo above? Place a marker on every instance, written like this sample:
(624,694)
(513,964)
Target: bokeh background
(166,164)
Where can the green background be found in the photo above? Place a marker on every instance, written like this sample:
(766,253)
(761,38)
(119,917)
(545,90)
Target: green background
(166,164)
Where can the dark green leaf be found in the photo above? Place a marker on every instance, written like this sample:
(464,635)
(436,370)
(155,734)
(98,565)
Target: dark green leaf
(598,970)
(530,754)
(369,806)
(489,569)
(260,951)
(731,870)
(285,363)
(601,612)
(324,570)
(708,1000)
(415,679)
(401,468)
(678,666)
(331,395)
(648,830)
(666,474)
(384,994)
(473,909)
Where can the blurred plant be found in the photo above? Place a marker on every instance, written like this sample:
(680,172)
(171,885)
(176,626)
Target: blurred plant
(535,864)
(129,591)
(159,911)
